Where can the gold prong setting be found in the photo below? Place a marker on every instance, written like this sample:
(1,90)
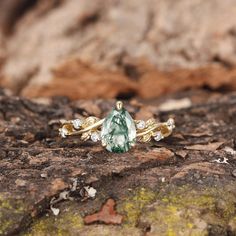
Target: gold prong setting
(119,105)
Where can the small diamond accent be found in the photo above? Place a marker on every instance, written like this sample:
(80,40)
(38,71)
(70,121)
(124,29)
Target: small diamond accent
(77,123)
(158,136)
(63,132)
(171,123)
(95,136)
(141,124)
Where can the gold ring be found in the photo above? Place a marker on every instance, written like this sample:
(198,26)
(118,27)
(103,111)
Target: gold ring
(118,132)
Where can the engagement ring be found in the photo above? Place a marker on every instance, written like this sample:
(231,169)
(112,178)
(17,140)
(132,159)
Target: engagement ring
(118,132)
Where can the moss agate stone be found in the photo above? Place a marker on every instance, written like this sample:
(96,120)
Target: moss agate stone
(118,131)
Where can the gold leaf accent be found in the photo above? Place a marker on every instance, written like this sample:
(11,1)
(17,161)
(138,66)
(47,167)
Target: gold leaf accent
(155,132)
(150,122)
(146,137)
(89,121)
(68,127)
(85,136)
(165,130)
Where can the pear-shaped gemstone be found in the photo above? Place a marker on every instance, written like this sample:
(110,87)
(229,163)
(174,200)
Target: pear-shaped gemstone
(118,131)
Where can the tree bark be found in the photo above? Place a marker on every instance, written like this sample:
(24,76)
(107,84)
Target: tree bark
(184,184)
(136,45)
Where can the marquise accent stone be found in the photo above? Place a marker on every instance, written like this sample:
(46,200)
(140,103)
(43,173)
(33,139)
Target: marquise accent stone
(118,131)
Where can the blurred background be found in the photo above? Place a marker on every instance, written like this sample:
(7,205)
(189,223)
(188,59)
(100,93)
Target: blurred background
(118,48)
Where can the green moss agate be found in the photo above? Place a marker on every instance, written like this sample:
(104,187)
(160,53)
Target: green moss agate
(118,131)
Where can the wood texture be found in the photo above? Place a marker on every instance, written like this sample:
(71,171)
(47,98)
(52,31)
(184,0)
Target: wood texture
(37,165)
(75,45)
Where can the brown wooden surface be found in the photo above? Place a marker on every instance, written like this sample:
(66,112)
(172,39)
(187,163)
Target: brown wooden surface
(147,52)
(56,47)
(36,164)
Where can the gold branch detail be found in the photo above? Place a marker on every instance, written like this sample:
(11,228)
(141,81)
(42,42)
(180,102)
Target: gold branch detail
(155,130)
(91,126)
(85,128)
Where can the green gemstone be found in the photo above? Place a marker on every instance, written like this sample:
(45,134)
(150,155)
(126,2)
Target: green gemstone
(118,131)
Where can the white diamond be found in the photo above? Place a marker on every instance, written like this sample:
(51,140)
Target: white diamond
(95,136)
(171,123)
(141,124)
(77,123)
(63,132)
(158,136)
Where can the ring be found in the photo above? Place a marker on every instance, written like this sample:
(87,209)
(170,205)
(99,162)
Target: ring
(118,132)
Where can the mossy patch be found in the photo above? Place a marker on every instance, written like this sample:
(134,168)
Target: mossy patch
(187,211)
(67,223)
(70,222)
(11,213)
(133,205)
(172,211)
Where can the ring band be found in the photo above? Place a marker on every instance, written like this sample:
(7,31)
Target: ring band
(118,132)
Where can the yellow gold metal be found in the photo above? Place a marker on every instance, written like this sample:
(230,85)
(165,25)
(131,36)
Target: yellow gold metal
(119,105)
(148,130)
(92,125)
(88,128)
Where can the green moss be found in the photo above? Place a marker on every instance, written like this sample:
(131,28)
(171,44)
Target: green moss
(132,207)
(187,211)
(232,225)
(12,204)
(215,201)
(173,211)
(11,210)
(109,230)
(65,224)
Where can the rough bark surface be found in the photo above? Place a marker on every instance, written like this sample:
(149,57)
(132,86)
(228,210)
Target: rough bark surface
(141,45)
(183,185)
